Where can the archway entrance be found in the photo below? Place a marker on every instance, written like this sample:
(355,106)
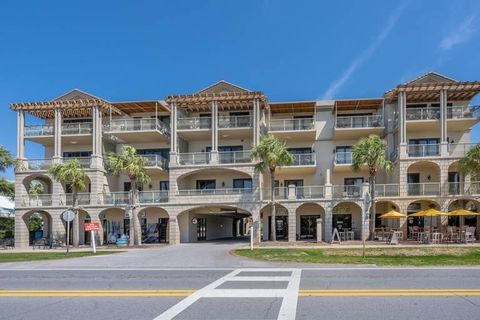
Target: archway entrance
(281,222)
(154,225)
(213,223)
(466,221)
(307,215)
(414,224)
(347,218)
(39,224)
(115,227)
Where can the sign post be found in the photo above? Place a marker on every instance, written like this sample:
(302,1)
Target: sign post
(68,216)
(366,213)
(92,227)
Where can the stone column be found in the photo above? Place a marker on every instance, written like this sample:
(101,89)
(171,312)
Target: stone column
(76,230)
(327,222)
(21,230)
(20,135)
(214,151)
(174,230)
(443,124)
(57,154)
(97,141)
(402,128)
(292,225)
(257,236)
(58,228)
(256,122)
(173,135)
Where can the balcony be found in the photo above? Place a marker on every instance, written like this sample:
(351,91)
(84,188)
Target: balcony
(309,192)
(347,127)
(422,114)
(217,196)
(387,190)
(423,189)
(293,128)
(34,165)
(156,162)
(80,128)
(343,161)
(235,122)
(36,201)
(281,193)
(464,188)
(346,191)
(214,192)
(235,157)
(139,130)
(459,150)
(194,158)
(42,134)
(461,117)
(153,196)
(423,150)
(114,198)
(82,199)
(85,162)
(194,128)
(302,162)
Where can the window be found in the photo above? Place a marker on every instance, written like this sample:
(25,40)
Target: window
(164,153)
(77,120)
(353,186)
(343,155)
(424,147)
(206,184)
(127,186)
(242,183)
(164,185)
(77,154)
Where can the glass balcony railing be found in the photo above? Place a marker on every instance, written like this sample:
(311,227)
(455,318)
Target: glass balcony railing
(85,162)
(77,128)
(153,196)
(463,188)
(351,122)
(423,150)
(194,123)
(37,201)
(82,199)
(423,189)
(35,165)
(347,191)
(115,198)
(292,124)
(235,122)
(38,131)
(310,192)
(303,159)
(243,156)
(214,192)
(422,113)
(461,112)
(460,149)
(156,161)
(143,124)
(194,158)
(343,157)
(387,190)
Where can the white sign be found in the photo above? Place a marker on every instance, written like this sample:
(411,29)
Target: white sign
(68,215)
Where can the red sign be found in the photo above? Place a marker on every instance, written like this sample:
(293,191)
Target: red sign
(91,226)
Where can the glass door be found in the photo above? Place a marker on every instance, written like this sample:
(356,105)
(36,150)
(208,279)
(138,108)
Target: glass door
(201,229)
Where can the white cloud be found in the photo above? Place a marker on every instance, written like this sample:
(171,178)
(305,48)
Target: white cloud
(462,33)
(366,54)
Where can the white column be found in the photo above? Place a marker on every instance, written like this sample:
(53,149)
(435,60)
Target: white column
(97,148)
(173,134)
(254,122)
(57,154)
(402,104)
(214,151)
(443,123)
(20,135)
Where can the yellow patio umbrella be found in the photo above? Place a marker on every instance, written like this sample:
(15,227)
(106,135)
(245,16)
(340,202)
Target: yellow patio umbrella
(462,213)
(428,213)
(392,214)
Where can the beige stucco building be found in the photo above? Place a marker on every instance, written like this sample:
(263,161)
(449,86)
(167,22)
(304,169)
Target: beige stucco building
(203,182)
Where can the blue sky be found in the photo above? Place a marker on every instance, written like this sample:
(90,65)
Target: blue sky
(291,50)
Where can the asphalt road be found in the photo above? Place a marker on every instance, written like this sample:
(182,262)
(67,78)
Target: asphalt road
(237,289)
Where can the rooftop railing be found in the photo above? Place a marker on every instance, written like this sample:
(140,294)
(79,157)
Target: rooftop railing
(423,189)
(143,124)
(387,190)
(347,191)
(432,113)
(423,150)
(194,123)
(235,122)
(39,130)
(77,128)
(343,157)
(214,192)
(351,122)
(194,158)
(292,124)
(156,161)
(153,196)
(243,156)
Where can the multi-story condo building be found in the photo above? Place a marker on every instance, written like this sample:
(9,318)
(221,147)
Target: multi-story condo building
(203,181)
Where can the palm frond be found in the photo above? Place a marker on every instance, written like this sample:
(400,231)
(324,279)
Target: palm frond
(6,159)
(71,173)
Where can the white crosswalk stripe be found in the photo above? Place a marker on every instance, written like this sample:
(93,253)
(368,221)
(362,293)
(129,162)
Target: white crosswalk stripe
(288,308)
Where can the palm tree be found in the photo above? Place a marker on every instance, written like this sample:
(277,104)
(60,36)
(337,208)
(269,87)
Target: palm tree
(35,188)
(6,160)
(271,153)
(132,165)
(72,174)
(371,152)
(7,188)
(470,163)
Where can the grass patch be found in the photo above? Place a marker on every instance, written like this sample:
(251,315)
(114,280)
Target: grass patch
(35,256)
(435,256)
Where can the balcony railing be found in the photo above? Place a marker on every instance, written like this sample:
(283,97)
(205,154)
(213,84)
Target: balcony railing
(85,162)
(37,201)
(214,192)
(38,131)
(35,165)
(423,150)
(423,189)
(77,128)
(343,157)
(292,124)
(194,123)
(460,149)
(461,112)
(387,190)
(82,199)
(373,121)
(194,158)
(281,193)
(310,192)
(243,156)
(347,191)
(422,113)
(303,159)
(464,188)
(115,198)
(143,124)
(156,161)
(153,196)
(235,122)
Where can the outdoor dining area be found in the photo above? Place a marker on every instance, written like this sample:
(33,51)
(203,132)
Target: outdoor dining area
(428,234)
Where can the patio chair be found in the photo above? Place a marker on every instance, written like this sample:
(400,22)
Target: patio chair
(413,233)
(470,235)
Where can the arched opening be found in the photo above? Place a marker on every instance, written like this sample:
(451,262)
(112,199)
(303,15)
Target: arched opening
(281,222)
(116,229)
(465,221)
(347,218)
(39,191)
(307,215)
(211,179)
(213,223)
(154,225)
(39,225)
(84,236)
(423,179)
(384,206)
(456,182)
(416,224)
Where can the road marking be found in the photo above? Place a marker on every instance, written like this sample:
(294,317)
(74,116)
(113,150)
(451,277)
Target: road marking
(289,296)
(390,293)
(97,293)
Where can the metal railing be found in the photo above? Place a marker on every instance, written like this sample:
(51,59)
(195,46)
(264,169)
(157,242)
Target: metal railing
(460,149)
(387,190)
(235,122)
(303,159)
(422,113)
(423,189)
(373,121)
(423,150)
(85,162)
(36,165)
(281,193)
(40,130)
(464,188)
(214,192)
(38,201)
(82,199)
(115,198)
(156,161)
(461,112)
(77,128)
(347,191)
(243,156)
(343,157)
(291,124)
(143,124)
(153,196)
(194,158)
(194,123)
(310,192)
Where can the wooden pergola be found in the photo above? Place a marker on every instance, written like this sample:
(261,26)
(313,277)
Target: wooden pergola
(358,104)
(225,100)
(292,107)
(130,107)
(421,92)
(74,108)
